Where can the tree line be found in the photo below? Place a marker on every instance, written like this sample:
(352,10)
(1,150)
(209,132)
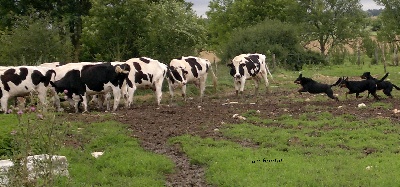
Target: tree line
(38,31)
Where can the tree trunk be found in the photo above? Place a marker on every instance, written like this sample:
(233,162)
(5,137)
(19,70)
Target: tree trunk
(76,30)
(358,55)
(376,56)
(395,57)
(273,61)
(383,57)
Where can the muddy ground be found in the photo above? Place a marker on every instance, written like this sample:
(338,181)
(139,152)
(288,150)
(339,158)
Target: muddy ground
(154,125)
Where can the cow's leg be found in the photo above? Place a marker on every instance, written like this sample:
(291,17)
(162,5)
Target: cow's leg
(265,77)
(42,98)
(4,103)
(184,92)
(203,80)
(56,100)
(256,84)
(131,92)
(85,103)
(107,98)
(242,83)
(237,86)
(117,97)
(125,94)
(158,90)
(76,99)
(171,90)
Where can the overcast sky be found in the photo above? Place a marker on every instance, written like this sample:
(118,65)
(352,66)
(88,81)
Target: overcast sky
(201,6)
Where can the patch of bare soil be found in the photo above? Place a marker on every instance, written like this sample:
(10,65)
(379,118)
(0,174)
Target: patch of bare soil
(154,125)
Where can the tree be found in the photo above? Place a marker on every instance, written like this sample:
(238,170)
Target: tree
(172,30)
(113,29)
(270,37)
(390,17)
(57,10)
(330,22)
(32,41)
(227,15)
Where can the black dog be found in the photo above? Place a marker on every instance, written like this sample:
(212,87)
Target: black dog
(313,87)
(386,86)
(361,86)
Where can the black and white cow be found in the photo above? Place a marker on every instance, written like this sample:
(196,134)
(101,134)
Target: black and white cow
(149,73)
(78,80)
(249,66)
(195,70)
(23,80)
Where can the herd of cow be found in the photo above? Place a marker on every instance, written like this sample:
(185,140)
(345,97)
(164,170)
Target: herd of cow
(78,81)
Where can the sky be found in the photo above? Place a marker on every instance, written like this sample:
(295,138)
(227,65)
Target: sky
(201,6)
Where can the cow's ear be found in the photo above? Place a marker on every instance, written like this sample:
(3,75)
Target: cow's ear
(301,75)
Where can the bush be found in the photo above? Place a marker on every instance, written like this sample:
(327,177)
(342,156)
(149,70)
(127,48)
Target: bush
(33,41)
(270,37)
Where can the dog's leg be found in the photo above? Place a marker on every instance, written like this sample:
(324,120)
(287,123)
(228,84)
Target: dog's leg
(375,96)
(329,93)
(301,90)
(387,92)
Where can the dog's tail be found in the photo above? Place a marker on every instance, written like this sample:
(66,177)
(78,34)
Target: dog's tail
(337,82)
(397,88)
(383,78)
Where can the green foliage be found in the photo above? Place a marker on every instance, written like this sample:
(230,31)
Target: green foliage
(112,30)
(171,31)
(33,41)
(270,37)
(161,30)
(389,16)
(31,131)
(330,22)
(225,16)
(337,55)
(7,123)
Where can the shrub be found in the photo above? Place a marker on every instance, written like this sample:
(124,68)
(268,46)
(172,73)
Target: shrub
(33,41)
(270,37)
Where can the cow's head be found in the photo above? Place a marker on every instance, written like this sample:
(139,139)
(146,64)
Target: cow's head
(123,68)
(177,75)
(237,67)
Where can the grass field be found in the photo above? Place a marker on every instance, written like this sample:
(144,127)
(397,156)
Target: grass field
(315,147)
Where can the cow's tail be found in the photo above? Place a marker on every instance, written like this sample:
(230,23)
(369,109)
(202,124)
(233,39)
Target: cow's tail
(47,77)
(268,72)
(214,78)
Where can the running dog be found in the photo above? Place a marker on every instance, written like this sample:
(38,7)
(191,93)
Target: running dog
(386,86)
(314,87)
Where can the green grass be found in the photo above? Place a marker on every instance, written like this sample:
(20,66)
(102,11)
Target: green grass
(124,162)
(229,164)
(7,124)
(316,148)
